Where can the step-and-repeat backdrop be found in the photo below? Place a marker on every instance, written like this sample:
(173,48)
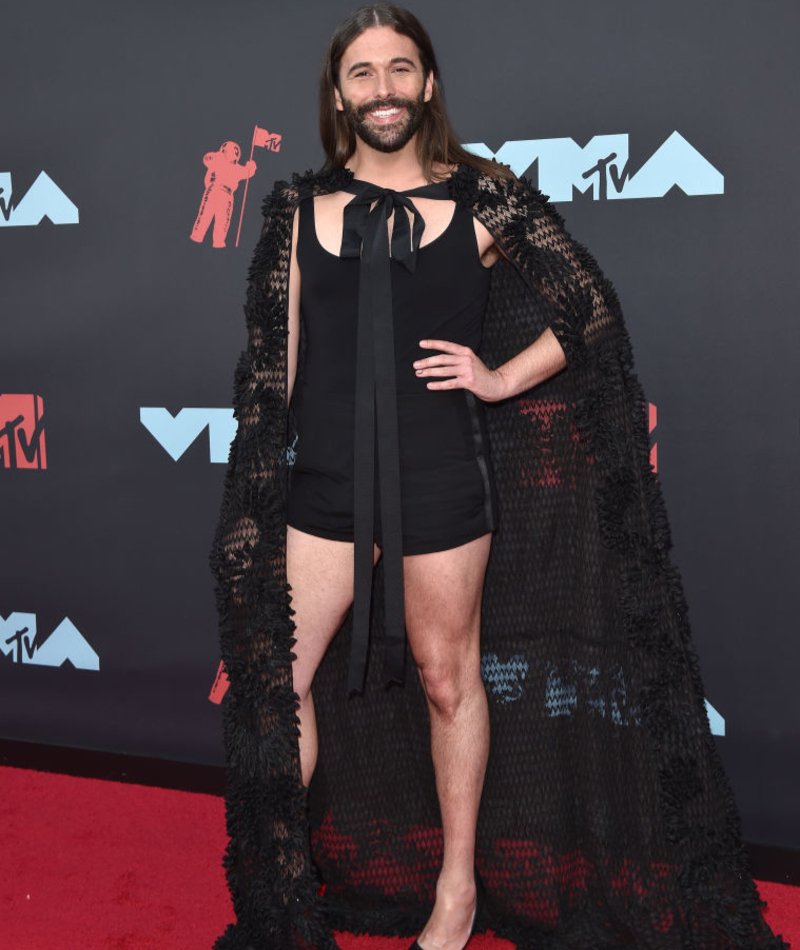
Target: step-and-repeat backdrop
(138,140)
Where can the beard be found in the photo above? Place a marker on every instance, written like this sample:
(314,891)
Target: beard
(386,138)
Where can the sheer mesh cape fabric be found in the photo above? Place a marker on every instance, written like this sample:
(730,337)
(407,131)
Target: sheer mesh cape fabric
(607,820)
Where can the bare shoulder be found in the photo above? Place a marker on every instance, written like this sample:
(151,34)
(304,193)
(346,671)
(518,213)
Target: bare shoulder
(331,204)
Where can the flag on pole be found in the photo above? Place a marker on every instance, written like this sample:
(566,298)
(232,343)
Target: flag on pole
(264,139)
(261,139)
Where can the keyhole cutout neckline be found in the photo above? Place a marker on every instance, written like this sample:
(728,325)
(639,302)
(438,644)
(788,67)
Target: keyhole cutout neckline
(421,247)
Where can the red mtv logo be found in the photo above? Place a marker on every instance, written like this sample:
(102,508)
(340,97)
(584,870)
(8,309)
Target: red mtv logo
(221,684)
(22,431)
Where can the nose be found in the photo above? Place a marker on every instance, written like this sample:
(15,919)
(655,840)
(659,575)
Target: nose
(384,87)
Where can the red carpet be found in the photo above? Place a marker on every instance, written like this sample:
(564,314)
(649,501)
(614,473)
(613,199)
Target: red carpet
(107,866)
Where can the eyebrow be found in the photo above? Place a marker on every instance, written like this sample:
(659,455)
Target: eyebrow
(397,59)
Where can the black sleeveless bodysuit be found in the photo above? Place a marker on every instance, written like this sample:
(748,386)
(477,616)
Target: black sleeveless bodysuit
(447,489)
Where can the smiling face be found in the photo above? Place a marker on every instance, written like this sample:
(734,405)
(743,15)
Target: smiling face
(382,89)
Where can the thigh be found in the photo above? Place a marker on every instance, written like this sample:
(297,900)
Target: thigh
(443,593)
(320,574)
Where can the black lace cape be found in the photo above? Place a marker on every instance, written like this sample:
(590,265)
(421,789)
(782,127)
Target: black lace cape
(607,820)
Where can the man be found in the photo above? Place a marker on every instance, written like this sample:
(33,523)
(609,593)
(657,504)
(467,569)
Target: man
(382,90)
(592,828)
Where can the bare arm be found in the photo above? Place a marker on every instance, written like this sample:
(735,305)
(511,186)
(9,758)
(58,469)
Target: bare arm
(542,359)
(537,362)
(294,314)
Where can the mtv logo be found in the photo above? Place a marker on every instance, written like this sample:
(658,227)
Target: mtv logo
(44,199)
(220,686)
(602,166)
(176,433)
(22,431)
(65,643)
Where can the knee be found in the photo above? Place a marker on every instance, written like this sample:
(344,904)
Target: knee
(448,684)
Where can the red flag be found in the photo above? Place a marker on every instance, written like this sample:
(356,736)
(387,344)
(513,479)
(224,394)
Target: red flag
(264,139)
(261,139)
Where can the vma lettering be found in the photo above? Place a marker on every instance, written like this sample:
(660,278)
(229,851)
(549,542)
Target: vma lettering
(176,433)
(602,167)
(44,199)
(66,643)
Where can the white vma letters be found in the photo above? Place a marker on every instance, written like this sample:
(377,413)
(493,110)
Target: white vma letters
(176,433)
(602,165)
(65,643)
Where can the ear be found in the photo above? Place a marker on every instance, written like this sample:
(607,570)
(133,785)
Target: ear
(429,87)
(337,98)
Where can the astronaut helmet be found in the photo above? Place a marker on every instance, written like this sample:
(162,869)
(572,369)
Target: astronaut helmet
(231,151)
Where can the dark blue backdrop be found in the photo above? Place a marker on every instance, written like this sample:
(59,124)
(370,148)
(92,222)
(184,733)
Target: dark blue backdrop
(118,104)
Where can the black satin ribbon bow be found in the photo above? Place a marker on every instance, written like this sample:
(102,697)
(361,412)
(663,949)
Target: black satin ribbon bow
(366,235)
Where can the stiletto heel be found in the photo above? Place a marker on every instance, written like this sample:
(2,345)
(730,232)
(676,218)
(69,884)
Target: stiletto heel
(480,894)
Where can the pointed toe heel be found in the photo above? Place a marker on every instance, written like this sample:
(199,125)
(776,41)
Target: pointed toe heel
(480,895)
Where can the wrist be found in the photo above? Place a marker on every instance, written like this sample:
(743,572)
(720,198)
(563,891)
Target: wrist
(505,385)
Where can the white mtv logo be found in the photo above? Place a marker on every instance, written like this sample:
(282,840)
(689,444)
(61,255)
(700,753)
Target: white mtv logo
(44,199)
(18,640)
(176,433)
(602,166)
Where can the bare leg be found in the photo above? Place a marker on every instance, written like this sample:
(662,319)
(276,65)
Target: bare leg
(320,573)
(443,602)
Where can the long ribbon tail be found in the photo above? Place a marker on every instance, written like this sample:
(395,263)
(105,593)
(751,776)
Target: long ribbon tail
(389,458)
(363,483)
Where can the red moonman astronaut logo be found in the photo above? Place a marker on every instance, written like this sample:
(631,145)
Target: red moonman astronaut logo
(223,174)
(22,431)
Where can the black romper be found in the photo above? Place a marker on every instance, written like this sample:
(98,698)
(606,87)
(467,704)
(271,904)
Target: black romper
(447,489)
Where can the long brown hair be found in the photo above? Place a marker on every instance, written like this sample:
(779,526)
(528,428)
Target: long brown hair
(436,140)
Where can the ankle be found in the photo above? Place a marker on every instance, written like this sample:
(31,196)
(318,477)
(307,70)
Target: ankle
(456,887)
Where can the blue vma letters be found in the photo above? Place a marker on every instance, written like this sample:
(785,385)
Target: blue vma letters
(602,166)
(19,642)
(176,433)
(44,199)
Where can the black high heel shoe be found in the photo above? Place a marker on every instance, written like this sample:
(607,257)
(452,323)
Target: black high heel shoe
(480,893)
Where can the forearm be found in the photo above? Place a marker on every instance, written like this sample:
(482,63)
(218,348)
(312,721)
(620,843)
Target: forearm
(536,363)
